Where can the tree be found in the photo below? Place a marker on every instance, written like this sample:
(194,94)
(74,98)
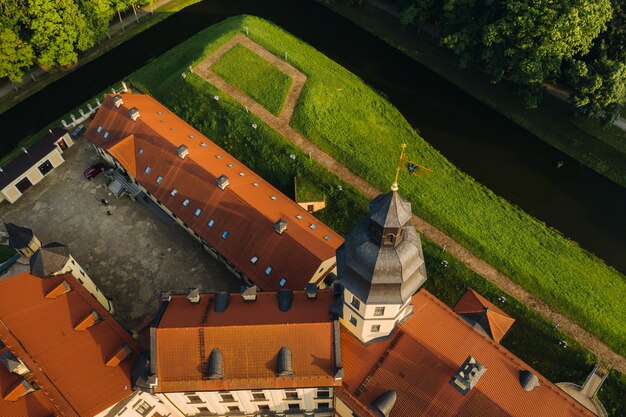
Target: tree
(98,14)
(15,54)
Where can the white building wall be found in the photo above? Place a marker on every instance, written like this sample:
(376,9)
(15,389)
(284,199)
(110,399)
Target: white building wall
(140,404)
(74,268)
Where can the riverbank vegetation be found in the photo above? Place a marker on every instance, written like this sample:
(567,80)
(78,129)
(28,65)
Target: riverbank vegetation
(256,77)
(226,122)
(346,118)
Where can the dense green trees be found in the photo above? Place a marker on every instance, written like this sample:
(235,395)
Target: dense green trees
(50,33)
(580,42)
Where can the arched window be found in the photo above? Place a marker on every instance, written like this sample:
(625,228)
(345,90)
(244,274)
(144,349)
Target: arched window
(389,237)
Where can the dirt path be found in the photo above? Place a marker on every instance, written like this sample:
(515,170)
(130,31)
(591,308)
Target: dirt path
(606,355)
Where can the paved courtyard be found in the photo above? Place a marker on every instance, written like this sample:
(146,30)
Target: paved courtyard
(131,255)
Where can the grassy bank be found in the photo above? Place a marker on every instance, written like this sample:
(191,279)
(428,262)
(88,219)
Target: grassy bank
(256,77)
(6,252)
(532,338)
(602,149)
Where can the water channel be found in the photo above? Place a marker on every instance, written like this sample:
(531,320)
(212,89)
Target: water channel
(511,161)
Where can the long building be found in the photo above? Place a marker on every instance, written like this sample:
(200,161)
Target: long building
(261,234)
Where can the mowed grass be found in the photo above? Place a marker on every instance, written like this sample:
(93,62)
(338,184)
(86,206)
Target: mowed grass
(256,77)
(342,115)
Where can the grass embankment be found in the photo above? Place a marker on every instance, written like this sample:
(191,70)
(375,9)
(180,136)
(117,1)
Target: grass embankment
(256,77)
(6,252)
(603,149)
(532,338)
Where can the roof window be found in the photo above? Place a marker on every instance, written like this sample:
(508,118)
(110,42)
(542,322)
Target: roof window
(255,184)
(148,169)
(218,156)
(222,181)
(203,145)
(241,174)
(191,136)
(117,101)
(230,166)
(299,216)
(140,151)
(268,270)
(134,114)
(254,259)
(313,226)
(186,202)
(162,121)
(326,237)
(273,197)
(197,213)
(225,234)
(211,223)
(159,180)
(99,129)
(174,192)
(106,134)
(159,113)
(182,151)
(172,128)
(282,282)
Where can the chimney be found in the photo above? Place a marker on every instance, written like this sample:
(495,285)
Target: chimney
(59,290)
(248,293)
(284,364)
(311,291)
(166,296)
(91,319)
(183,151)
(193,295)
(216,364)
(222,182)
(134,114)
(117,101)
(285,297)
(468,375)
(280,226)
(122,353)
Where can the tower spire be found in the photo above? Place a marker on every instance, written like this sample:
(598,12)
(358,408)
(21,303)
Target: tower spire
(394,186)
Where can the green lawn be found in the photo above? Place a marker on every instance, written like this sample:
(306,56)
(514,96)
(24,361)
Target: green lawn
(256,77)
(6,252)
(532,338)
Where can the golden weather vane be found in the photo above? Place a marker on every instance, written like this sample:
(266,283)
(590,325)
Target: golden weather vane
(411,167)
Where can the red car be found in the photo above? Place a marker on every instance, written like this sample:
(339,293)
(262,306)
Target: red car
(94,170)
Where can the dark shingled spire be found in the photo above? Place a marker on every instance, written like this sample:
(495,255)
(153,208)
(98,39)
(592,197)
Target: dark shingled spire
(383,405)
(390,210)
(49,259)
(19,237)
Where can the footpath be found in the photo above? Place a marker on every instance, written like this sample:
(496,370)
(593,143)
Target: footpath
(607,357)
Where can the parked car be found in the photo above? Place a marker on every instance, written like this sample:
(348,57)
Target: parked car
(94,170)
(78,131)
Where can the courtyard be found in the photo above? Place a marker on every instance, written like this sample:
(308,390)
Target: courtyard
(131,255)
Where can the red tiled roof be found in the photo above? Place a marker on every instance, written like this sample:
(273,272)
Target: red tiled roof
(246,211)
(498,321)
(249,336)
(67,364)
(419,360)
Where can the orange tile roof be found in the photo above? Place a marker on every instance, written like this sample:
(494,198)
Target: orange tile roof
(249,336)
(67,364)
(246,211)
(498,321)
(419,360)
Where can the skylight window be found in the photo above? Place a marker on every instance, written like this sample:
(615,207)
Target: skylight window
(191,136)
(203,145)
(241,174)
(218,156)
(230,166)
(313,226)
(299,216)
(172,128)
(148,169)
(211,223)
(140,151)
(162,121)
(282,282)
(159,180)
(254,259)
(326,237)
(99,129)
(273,197)
(268,270)
(225,234)
(106,134)
(255,184)
(174,192)
(198,211)
(186,202)
(159,113)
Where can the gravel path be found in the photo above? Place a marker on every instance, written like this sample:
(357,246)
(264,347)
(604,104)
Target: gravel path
(607,357)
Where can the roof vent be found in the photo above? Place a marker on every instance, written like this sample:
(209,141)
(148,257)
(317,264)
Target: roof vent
(13,364)
(284,366)
(117,101)
(222,182)
(122,353)
(216,364)
(183,151)
(383,405)
(311,291)
(221,302)
(134,113)
(166,296)
(285,297)
(91,319)
(17,391)
(528,380)
(468,375)
(59,290)
(248,293)
(193,295)
(280,226)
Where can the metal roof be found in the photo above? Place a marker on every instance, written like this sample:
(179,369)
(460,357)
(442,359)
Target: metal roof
(19,237)
(49,259)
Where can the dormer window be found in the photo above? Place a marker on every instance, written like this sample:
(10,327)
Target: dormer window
(211,223)
(159,180)
(186,202)
(268,270)
(225,234)
(140,151)
(106,134)
(198,211)
(99,129)
(174,192)
(254,259)
(148,169)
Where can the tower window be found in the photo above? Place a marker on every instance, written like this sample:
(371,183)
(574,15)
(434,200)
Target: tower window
(353,320)
(388,240)
(355,302)
(375,328)
(379,311)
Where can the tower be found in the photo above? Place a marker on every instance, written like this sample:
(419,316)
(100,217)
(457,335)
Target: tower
(22,239)
(380,266)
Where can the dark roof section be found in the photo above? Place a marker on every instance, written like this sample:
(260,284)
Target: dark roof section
(10,362)
(24,161)
(221,302)
(381,273)
(285,298)
(382,405)
(49,259)
(19,237)
(216,364)
(284,363)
